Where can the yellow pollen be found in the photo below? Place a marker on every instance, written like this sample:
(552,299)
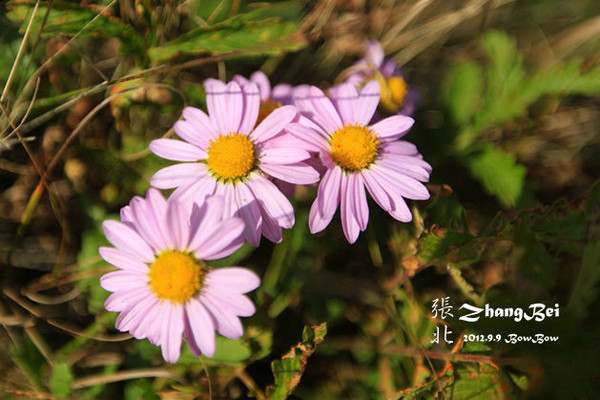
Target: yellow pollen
(393,93)
(266,107)
(176,276)
(354,147)
(231,157)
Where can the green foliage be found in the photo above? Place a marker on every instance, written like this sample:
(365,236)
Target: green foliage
(288,371)
(499,173)
(255,32)
(69,19)
(483,95)
(60,381)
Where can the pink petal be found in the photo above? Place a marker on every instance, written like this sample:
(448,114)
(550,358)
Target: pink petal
(239,304)
(273,124)
(359,197)
(178,175)
(314,140)
(205,219)
(225,105)
(325,113)
(120,301)
(283,155)
(271,228)
(123,280)
(149,326)
(347,212)
(200,330)
(401,184)
(282,93)
(393,127)
(232,280)
(251,107)
(401,212)
(123,260)
(131,319)
(196,191)
(264,86)
(374,54)
(411,170)
(377,192)
(202,124)
(150,220)
(399,147)
(328,197)
(192,134)
(227,233)
(171,334)
(249,211)
(129,241)
(299,173)
(227,323)
(273,202)
(177,150)
(367,103)
(178,221)
(345,99)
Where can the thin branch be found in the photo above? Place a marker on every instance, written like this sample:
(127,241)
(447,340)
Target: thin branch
(19,53)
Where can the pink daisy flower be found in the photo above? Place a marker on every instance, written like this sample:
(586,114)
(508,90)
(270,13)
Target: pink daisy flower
(358,155)
(163,288)
(229,156)
(396,96)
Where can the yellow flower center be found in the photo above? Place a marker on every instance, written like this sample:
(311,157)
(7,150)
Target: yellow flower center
(354,147)
(266,107)
(393,93)
(231,157)
(176,276)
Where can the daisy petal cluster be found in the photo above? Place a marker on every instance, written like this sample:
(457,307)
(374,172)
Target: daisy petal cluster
(357,155)
(225,153)
(232,164)
(396,96)
(163,289)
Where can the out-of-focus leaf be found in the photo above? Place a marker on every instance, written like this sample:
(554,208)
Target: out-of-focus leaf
(463,90)
(499,172)
(480,382)
(29,359)
(60,381)
(586,287)
(288,371)
(69,19)
(536,265)
(264,37)
(447,246)
(227,351)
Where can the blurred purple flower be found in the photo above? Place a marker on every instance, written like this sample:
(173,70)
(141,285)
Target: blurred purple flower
(396,96)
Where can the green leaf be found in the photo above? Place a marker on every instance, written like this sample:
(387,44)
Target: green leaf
(480,382)
(69,19)
(463,90)
(499,173)
(266,37)
(288,371)
(227,351)
(61,379)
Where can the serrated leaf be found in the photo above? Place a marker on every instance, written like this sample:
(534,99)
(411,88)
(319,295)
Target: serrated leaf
(480,382)
(61,379)
(288,371)
(499,173)
(69,19)
(268,37)
(447,246)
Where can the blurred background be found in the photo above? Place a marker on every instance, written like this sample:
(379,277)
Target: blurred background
(508,116)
